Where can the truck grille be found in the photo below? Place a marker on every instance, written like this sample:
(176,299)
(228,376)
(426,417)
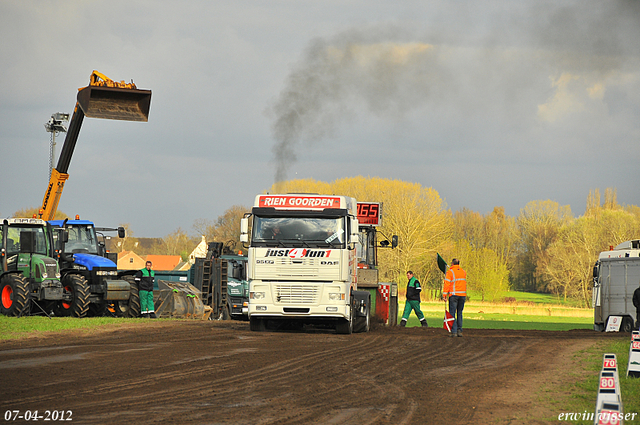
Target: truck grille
(296,294)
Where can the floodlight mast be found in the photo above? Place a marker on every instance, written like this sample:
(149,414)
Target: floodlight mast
(55,126)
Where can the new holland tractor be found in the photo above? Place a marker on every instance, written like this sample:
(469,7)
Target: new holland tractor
(83,255)
(30,278)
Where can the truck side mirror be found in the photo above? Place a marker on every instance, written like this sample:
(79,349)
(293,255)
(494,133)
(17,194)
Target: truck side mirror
(244,230)
(121,232)
(354,238)
(394,241)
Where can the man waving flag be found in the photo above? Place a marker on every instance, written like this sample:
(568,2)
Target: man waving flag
(448,318)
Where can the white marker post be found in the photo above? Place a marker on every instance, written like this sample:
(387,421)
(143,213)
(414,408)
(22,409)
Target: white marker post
(633,368)
(610,364)
(608,393)
(610,414)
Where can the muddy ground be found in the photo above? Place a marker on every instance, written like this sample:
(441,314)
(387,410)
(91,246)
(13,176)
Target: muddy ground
(221,373)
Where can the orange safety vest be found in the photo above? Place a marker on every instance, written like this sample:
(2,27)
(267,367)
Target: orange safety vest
(455,283)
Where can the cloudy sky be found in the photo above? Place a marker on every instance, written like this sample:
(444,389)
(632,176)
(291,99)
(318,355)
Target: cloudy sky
(491,103)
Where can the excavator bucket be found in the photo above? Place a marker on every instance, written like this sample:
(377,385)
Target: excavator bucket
(180,300)
(114,103)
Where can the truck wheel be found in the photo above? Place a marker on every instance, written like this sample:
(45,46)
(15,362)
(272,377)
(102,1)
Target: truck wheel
(627,324)
(78,306)
(256,324)
(344,327)
(14,291)
(362,324)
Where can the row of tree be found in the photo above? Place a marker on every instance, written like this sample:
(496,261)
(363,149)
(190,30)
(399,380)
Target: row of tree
(544,249)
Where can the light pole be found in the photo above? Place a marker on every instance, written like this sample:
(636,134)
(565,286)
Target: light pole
(55,126)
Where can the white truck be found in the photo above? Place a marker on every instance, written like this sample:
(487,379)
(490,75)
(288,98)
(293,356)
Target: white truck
(616,275)
(302,263)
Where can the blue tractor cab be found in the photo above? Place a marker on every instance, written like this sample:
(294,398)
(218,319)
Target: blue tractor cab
(85,254)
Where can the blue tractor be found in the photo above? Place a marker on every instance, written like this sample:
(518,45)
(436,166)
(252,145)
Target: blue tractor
(84,259)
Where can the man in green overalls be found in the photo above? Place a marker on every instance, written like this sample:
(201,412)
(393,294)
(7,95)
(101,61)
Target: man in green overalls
(413,301)
(145,278)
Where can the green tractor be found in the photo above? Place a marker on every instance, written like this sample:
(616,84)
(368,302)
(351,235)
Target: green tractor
(29,278)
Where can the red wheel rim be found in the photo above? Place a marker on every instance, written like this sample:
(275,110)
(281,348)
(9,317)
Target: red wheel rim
(66,305)
(7,296)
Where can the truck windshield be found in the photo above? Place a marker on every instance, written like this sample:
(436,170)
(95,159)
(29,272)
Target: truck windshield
(298,231)
(18,239)
(82,239)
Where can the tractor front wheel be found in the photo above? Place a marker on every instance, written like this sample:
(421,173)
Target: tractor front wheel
(78,305)
(14,291)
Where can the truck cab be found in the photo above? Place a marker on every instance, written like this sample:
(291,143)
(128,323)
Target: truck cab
(237,286)
(302,263)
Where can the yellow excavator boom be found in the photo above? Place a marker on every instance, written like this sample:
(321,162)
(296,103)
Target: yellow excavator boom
(102,98)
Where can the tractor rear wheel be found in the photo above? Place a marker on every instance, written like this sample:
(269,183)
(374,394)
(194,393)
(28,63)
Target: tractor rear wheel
(78,306)
(14,291)
(130,307)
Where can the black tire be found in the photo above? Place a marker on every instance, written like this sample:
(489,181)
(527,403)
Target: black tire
(344,327)
(256,324)
(130,307)
(79,305)
(14,292)
(226,313)
(363,324)
(627,325)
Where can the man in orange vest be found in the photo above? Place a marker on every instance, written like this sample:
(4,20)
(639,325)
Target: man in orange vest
(455,288)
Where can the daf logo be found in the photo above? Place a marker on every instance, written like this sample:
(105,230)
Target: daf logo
(264,262)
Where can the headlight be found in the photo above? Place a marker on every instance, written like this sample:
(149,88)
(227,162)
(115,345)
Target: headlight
(335,296)
(106,273)
(43,271)
(256,295)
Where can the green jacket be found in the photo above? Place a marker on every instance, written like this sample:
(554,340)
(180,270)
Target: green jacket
(144,279)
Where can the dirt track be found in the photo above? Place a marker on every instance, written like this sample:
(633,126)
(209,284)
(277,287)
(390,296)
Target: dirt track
(221,373)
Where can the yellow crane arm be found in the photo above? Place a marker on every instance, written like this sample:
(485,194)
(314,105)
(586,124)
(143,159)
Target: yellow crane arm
(52,195)
(102,98)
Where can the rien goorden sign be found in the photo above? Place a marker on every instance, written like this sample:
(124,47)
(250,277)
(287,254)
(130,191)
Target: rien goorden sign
(298,202)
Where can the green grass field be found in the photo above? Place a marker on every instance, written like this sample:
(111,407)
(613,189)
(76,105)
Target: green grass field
(583,388)
(507,321)
(530,311)
(14,327)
